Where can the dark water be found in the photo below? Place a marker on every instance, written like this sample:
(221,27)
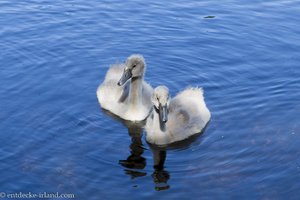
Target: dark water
(55,138)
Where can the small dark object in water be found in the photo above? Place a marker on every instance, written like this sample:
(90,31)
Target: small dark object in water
(209,17)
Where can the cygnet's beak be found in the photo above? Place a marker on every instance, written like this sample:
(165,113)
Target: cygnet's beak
(163,113)
(125,76)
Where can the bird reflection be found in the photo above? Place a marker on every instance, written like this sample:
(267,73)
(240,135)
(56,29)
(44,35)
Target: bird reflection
(135,163)
(160,176)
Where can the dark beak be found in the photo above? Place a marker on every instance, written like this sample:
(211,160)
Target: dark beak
(163,113)
(126,75)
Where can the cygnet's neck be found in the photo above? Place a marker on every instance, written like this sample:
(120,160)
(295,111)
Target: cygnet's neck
(155,134)
(135,94)
(156,120)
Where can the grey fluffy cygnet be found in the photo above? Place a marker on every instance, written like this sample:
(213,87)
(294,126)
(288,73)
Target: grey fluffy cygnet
(124,91)
(176,119)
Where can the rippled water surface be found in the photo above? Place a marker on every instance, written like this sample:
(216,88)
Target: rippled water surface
(55,137)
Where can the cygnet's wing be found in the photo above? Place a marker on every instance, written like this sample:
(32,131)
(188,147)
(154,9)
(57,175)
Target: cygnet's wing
(191,100)
(191,109)
(178,116)
(109,92)
(114,73)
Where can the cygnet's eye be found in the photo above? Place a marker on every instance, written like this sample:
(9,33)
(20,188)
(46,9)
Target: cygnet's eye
(134,66)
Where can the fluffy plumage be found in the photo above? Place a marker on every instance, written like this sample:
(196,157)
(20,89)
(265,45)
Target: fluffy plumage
(187,115)
(128,98)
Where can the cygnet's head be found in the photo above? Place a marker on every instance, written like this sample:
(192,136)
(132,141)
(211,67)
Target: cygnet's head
(160,100)
(134,68)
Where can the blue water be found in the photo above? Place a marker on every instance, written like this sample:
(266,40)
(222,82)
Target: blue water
(55,137)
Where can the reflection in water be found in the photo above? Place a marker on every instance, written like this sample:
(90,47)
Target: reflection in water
(160,176)
(135,162)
